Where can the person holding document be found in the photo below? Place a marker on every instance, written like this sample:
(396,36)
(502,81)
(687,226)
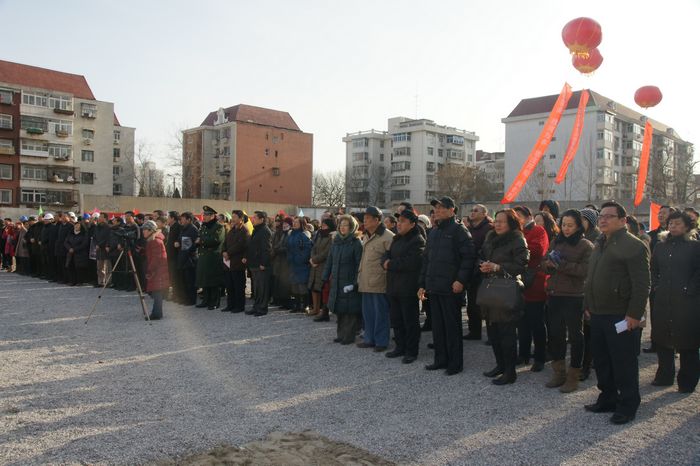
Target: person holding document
(616,290)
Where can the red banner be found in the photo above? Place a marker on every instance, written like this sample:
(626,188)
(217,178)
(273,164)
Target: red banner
(654,216)
(643,164)
(540,146)
(575,137)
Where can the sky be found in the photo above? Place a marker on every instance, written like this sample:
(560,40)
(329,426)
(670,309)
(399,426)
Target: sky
(345,66)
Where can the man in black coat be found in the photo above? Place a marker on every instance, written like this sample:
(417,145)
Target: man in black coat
(102,234)
(174,235)
(65,227)
(33,238)
(259,254)
(403,265)
(448,265)
(47,243)
(187,257)
(235,252)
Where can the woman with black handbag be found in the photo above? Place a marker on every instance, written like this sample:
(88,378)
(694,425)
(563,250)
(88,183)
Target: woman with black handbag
(504,258)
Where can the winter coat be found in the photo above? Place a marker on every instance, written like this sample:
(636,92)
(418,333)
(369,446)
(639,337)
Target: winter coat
(187,255)
(342,270)
(592,235)
(319,255)
(298,255)
(80,244)
(280,265)
(405,258)
(655,237)
(210,264)
(64,229)
(21,250)
(9,235)
(538,243)
(48,238)
(372,276)
(449,256)
(479,233)
(568,277)
(157,276)
(174,235)
(618,279)
(260,247)
(510,252)
(675,278)
(237,247)
(34,233)
(102,240)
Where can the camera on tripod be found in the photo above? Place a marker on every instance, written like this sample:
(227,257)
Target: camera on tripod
(126,237)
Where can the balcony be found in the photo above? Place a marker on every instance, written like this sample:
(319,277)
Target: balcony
(89,115)
(7,150)
(225,171)
(64,176)
(62,111)
(62,133)
(35,131)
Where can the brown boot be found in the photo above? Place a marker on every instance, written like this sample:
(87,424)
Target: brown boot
(572,378)
(559,374)
(322,316)
(313,312)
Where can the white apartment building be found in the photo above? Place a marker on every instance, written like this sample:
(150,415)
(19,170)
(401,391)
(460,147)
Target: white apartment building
(64,140)
(384,168)
(607,160)
(493,166)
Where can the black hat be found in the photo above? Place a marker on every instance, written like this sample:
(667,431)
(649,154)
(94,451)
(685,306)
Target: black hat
(445,201)
(373,211)
(410,215)
(208,210)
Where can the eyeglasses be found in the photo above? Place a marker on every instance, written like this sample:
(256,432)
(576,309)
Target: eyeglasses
(607,217)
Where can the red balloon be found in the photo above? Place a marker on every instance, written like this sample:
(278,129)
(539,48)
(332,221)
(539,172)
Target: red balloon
(581,35)
(648,96)
(587,65)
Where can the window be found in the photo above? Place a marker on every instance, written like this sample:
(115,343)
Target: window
(117,136)
(61,102)
(31,172)
(87,156)
(400,137)
(362,142)
(439,152)
(227,150)
(552,156)
(431,150)
(33,196)
(5,121)
(88,134)
(116,153)
(35,148)
(116,171)
(87,178)
(360,156)
(5,196)
(34,124)
(88,110)
(400,195)
(430,166)
(5,172)
(541,123)
(381,157)
(60,151)
(38,100)
(455,154)
(5,97)
(6,143)
(381,144)
(400,166)
(400,180)
(402,151)
(116,189)
(360,172)
(456,140)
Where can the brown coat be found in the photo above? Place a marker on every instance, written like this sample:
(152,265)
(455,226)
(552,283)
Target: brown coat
(569,277)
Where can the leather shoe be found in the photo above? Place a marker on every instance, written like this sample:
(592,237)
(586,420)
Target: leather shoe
(471,337)
(685,390)
(394,354)
(347,342)
(661,383)
(434,367)
(201,305)
(619,418)
(337,340)
(250,312)
(452,371)
(365,345)
(504,379)
(379,349)
(431,345)
(410,359)
(537,366)
(599,408)
(494,372)
(260,314)
(235,311)
(651,349)
(322,318)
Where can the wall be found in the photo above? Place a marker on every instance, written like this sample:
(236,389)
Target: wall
(13,134)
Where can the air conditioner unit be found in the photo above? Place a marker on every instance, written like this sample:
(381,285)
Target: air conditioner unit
(87,141)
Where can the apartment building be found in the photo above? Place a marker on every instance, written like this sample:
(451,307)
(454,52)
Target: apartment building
(493,166)
(384,168)
(56,139)
(248,153)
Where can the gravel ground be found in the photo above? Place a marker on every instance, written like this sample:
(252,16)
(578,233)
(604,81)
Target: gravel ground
(121,391)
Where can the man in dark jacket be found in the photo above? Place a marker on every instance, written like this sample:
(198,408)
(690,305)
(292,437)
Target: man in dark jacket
(102,237)
(403,264)
(235,253)
(479,225)
(615,297)
(33,238)
(174,234)
(65,227)
(448,265)
(259,254)
(210,266)
(187,257)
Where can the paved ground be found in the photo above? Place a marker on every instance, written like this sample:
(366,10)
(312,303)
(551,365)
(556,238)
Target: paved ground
(119,390)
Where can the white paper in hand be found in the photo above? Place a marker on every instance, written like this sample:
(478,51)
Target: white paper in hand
(621,326)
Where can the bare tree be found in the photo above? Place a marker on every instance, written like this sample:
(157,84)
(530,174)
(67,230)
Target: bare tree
(464,183)
(367,185)
(328,189)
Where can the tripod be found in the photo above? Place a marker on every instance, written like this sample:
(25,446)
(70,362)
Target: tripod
(136,280)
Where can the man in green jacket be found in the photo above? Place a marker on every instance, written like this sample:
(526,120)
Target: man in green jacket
(210,266)
(616,292)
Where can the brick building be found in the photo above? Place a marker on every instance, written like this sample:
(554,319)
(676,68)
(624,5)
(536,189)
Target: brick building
(246,153)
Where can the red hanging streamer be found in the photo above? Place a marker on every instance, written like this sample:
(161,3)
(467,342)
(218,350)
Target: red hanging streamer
(575,137)
(643,164)
(540,146)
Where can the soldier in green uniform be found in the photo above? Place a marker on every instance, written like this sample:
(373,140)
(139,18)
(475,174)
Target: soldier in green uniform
(210,266)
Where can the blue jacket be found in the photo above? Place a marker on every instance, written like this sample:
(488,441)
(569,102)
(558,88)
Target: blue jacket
(298,255)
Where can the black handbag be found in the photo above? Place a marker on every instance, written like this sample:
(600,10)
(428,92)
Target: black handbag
(500,292)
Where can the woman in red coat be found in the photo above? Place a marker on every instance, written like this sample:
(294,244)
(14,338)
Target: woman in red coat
(532,325)
(157,278)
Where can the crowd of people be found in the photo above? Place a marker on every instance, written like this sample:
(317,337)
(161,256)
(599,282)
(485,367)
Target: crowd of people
(546,283)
